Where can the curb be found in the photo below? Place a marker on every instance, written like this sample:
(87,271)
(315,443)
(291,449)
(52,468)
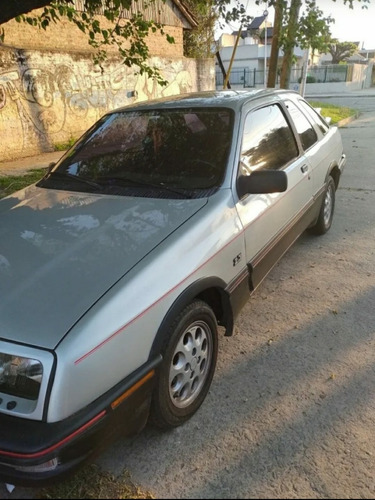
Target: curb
(345,121)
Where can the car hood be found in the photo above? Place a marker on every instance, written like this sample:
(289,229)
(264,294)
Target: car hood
(61,251)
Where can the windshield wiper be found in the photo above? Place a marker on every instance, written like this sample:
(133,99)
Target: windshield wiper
(66,175)
(126,180)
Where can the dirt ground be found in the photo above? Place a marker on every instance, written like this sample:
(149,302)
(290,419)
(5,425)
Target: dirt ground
(291,410)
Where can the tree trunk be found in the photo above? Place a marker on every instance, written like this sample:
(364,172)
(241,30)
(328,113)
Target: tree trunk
(274,57)
(290,43)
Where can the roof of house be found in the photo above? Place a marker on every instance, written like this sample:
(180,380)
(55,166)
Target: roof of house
(169,12)
(356,57)
(256,23)
(186,12)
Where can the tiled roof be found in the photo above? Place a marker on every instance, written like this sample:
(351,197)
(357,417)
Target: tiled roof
(256,23)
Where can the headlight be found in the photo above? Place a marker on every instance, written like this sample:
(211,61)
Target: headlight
(21,379)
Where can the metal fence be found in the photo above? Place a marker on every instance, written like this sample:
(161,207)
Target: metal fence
(242,76)
(323,74)
(249,78)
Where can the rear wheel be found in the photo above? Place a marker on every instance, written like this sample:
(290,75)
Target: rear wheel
(324,221)
(189,361)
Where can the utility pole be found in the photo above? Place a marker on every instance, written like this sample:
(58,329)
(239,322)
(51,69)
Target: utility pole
(265,13)
(302,86)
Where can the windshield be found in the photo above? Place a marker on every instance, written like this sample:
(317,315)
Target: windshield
(158,153)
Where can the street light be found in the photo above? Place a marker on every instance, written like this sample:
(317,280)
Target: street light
(265,13)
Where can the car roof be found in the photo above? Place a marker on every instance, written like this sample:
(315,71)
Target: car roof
(233,99)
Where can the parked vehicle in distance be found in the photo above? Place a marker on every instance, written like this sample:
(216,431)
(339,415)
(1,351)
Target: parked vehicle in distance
(118,266)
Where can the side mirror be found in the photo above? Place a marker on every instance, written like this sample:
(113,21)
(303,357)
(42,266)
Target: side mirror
(262,182)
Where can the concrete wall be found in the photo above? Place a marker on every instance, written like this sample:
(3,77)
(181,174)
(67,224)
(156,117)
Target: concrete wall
(359,76)
(48,97)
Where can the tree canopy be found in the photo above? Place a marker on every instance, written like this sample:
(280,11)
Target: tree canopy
(126,21)
(341,50)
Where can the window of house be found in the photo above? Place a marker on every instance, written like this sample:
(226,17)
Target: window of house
(268,141)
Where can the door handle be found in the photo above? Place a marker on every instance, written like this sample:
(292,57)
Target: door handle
(304,168)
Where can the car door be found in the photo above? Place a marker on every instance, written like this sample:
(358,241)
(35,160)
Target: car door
(316,151)
(273,221)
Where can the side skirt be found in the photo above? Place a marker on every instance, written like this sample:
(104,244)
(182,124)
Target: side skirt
(268,257)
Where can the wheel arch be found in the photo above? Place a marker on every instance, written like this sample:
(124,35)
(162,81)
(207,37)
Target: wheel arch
(335,173)
(209,290)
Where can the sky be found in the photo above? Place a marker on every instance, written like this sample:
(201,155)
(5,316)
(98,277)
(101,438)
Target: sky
(351,25)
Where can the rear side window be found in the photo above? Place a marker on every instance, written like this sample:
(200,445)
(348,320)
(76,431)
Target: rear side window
(304,128)
(315,116)
(268,141)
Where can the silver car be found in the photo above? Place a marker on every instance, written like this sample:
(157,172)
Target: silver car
(118,266)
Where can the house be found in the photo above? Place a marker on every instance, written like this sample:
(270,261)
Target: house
(51,91)
(367,53)
(251,56)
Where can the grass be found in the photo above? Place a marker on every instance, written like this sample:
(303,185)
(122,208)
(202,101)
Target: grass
(337,113)
(63,146)
(11,183)
(92,482)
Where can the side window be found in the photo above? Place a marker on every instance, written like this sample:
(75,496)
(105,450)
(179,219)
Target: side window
(268,141)
(315,116)
(304,128)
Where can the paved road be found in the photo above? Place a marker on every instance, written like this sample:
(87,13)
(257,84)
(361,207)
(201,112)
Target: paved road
(291,411)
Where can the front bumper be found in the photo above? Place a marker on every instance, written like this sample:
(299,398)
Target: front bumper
(36,453)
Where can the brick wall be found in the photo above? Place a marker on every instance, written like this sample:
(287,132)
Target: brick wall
(65,36)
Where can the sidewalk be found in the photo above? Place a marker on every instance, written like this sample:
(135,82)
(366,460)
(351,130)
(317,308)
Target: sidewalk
(368,92)
(22,165)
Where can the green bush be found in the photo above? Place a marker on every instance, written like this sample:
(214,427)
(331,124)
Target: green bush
(309,79)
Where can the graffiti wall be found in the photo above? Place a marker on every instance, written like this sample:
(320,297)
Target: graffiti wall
(48,98)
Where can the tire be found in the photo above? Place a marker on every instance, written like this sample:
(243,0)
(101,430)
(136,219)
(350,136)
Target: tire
(189,361)
(325,217)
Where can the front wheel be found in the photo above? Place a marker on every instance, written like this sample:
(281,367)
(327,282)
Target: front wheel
(325,217)
(189,361)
